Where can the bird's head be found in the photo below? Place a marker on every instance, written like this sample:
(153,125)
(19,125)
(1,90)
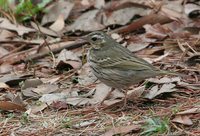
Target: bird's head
(98,39)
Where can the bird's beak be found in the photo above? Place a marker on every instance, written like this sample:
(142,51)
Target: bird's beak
(84,38)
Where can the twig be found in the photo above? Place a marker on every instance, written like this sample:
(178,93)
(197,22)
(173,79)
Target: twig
(68,46)
(150,19)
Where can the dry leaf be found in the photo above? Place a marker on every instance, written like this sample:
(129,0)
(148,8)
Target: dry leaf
(183,119)
(164,80)
(68,58)
(58,8)
(155,91)
(3,85)
(6,68)
(44,30)
(3,51)
(122,130)
(122,16)
(135,93)
(31,83)
(21,30)
(5,35)
(59,24)
(86,22)
(101,92)
(189,111)
(99,4)
(138,43)
(10,106)
(84,123)
(38,108)
(86,77)
(156,31)
(13,79)
(50,98)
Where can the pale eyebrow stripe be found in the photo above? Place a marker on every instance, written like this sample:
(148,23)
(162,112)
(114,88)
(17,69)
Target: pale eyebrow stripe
(97,36)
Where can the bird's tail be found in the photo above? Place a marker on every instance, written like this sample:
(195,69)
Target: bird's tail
(165,72)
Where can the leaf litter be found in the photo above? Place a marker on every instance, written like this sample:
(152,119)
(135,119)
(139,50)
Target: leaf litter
(47,87)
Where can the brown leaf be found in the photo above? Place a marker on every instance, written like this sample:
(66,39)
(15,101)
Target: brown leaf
(86,77)
(3,51)
(122,130)
(86,22)
(5,68)
(69,58)
(155,91)
(5,35)
(59,24)
(183,119)
(21,30)
(44,30)
(122,16)
(36,108)
(3,85)
(138,43)
(164,80)
(189,111)
(6,105)
(101,92)
(56,9)
(31,83)
(59,105)
(156,31)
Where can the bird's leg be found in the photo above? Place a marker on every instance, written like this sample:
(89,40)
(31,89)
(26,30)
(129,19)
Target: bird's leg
(125,98)
(112,89)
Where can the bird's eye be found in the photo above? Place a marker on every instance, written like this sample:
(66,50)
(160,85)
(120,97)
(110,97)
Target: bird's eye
(94,39)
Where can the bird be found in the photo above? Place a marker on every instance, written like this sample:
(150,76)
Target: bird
(115,65)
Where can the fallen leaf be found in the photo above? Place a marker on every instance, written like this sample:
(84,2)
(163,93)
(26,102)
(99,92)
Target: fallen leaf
(84,123)
(155,91)
(5,35)
(122,130)
(189,111)
(6,68)
(156,31)
(31,83)
(59,24)
(86,77)
(138,43)
(183,119)
(122,16)
(190,86)
(36,108)
(50,98)
(55,10)
(78,101)
(99,4)
(59,105)
(101,93)
(44,30)
(66,57)
(39,90)
(13,79)
(3,51)
(21,30)
(135,92)
(46,89)
(10,106)
(86,22)
(164,80)
(3,85)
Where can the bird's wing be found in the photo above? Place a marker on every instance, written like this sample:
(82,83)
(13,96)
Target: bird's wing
(125,63)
